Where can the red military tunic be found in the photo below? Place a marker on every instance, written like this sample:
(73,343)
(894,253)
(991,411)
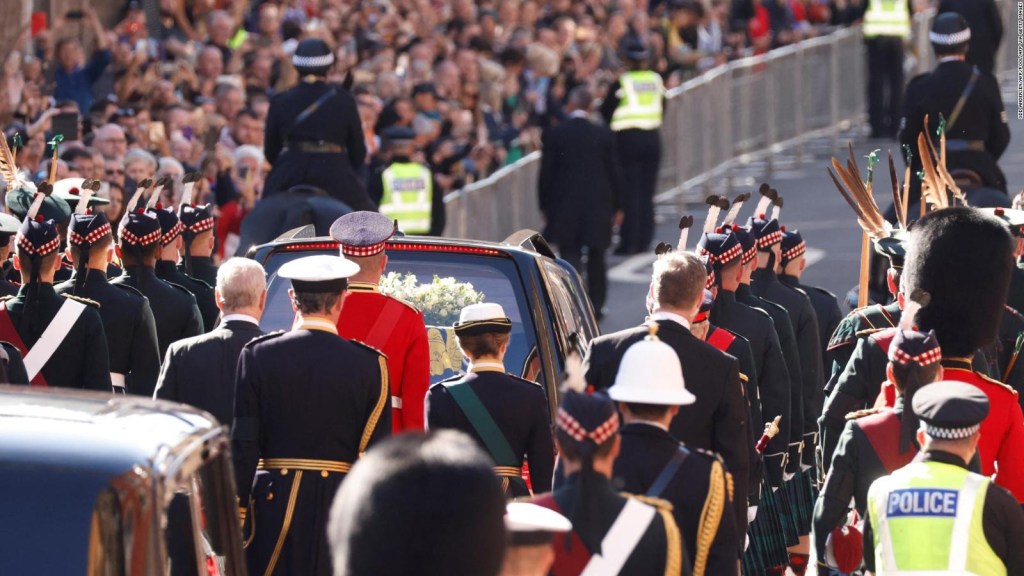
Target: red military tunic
(396,329)
(1002,431)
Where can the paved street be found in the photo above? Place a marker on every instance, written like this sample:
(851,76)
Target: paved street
(812,205)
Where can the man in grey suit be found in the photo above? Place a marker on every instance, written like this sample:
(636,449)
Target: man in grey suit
(201,370)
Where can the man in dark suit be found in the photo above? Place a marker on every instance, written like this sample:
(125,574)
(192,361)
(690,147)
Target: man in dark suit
(717,420)
(986,30)
(580,189)
(650,392)
(201,370)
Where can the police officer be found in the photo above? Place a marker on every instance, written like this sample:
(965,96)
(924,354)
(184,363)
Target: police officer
(406,190)
(8,227)
(650,391)
(886,27)
(127,318)
(308,403)
(717,421)
(507,415)
(60,337)
(174,307)
(313,132)
(385,323)
(792,260)
(876,442)
(632,108)
(970,101)
(167,265)
(987,25)
(646,541)
(934,515)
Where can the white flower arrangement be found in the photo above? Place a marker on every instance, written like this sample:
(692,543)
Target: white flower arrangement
(441,301)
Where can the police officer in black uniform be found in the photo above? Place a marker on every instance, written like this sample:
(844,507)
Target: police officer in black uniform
(507,415)
(127,318)
(65,332)
(167,267)
(8,227)
(197,249)
(650,390)
(826,306)
(986,25)
(174,307)
(308,403)
(876,442)
(977,132)
(313,133)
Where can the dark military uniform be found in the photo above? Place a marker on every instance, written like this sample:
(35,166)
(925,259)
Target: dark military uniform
(13,366)
(773,378)
(174,307)
(203,292)
(659,551)
(518,407)
(980,134)
(826,311)
(304,427)
(81,359)
(8,287)
(858,324)
(867,450)
(314,137)
(716,421)
(130,328)
(766,284)
(202,269)
(700,491)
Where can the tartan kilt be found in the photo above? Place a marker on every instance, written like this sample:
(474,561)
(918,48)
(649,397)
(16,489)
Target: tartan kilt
(798,490)
(767,547)
(788,513)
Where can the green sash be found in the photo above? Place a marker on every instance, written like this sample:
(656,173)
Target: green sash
(483,423)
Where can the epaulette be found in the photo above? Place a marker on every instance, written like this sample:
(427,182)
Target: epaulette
(743,378)
(130,289)
(179,287)
(197,280)
(265,337)
(409,304)
(368,347)
(709,453)
(449,380)
(862,413)
(823,291)
(659,503)
(1001,384)
(1015,313)
(82,300)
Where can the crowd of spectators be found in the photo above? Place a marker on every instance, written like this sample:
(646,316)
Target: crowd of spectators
(187,87)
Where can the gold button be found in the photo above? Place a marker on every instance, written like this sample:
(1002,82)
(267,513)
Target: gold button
(284,471)
(270,496)
(324,473)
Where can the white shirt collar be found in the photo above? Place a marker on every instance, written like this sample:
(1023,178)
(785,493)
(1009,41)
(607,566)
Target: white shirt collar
(486,367)
(579,114)
(951,59)
(239,318)
(649,423)
(661,315)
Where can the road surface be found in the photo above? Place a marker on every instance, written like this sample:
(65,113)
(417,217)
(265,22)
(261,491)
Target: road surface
(812,205)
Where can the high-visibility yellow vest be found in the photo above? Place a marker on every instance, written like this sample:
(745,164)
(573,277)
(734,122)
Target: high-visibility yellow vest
(640,96)
(887,18)
(926,519)
(408,194)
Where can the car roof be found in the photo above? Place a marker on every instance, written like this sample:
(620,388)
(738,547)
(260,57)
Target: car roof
(94,432)
(525,242)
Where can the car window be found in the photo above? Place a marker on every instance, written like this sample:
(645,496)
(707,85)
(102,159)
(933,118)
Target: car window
(439,283)
(572,330)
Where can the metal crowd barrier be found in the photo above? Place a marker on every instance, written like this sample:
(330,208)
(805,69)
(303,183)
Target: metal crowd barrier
(749,109)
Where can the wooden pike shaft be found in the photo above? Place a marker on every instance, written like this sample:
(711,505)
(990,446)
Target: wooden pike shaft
(865,269)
